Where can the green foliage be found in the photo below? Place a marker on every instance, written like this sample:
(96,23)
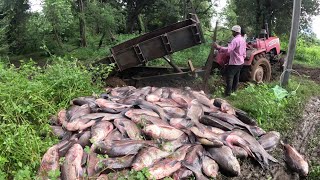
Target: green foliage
(28,96)
(314,172)
(273,106)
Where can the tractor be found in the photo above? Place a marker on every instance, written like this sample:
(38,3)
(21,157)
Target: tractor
(261,53)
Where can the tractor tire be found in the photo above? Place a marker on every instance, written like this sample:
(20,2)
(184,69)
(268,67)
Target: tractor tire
(261,70)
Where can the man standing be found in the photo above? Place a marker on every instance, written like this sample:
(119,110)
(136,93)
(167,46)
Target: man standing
(237,51)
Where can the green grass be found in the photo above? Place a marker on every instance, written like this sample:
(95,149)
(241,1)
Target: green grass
(29,96)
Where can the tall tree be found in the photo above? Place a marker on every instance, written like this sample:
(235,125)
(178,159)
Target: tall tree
(82,25)
(14,16)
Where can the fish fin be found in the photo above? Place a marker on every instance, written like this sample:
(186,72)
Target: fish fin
(196,171)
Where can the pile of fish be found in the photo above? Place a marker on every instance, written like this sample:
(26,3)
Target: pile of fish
(172,132)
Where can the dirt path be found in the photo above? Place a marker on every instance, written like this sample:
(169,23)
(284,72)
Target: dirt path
(310,73)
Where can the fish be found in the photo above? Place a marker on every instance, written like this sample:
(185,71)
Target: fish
(182,173)
(164,168)
(201,98)
(71,168)
(171,146)
(75,112)
(49,162)
(116,163)
(147,157)
(84,100)
(239,152)
(134,112)
(194,112)
(155,108)
(65,145)
(167,103)
(128,128)
(162,132)
(60,132)
(181,98)
(114,135)
(207,134)
(103,103)
(215,122)
(144,120)
(174,112)
(92,161)
(295,160)
(180,123)
(232,120)
(209,167)
(258,151)
(245,118)
(210,143)
(155,95)
(165,93)
(181,153)
(84,139)
(99,132)
(84,122)
(225,159)
(193,161)
(269,140)
(121,91)
(122,148)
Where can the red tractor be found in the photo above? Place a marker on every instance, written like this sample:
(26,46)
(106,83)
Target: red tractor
(261,53)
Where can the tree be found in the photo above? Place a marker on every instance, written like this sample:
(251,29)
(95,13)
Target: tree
(13,21)
(83,41)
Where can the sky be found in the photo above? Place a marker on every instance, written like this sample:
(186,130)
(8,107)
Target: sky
(36,6)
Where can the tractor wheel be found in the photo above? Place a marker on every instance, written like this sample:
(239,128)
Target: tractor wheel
(261,70)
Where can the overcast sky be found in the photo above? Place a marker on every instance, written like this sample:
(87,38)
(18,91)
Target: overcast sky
(36,6)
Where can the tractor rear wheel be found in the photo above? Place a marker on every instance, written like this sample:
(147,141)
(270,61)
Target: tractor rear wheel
(261,70)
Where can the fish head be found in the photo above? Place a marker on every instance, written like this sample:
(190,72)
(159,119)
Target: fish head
(152,130)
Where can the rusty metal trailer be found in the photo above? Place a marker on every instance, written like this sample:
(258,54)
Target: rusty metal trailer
(130,57)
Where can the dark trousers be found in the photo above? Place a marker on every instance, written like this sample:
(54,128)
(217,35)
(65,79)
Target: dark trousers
(232,74)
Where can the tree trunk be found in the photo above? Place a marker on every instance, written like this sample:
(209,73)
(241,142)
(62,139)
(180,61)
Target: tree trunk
(101,39)
(83,40)
(258,16)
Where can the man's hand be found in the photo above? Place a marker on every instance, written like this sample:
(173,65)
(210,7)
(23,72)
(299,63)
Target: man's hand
(215,45)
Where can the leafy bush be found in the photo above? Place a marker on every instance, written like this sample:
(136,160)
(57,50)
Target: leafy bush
(28,96)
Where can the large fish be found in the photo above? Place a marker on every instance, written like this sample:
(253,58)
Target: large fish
(155,95)
(122,148)
(164,168)
(85,121)
(201,97)
(258,151)
(207,134)
(99,132)
(209,167)
(113,164)
(60,132)
(180,123)
(49,163)
(181,97)
(144,120)
(162,132)
(295,160)
(193,161)
(195,111)
(114,135)
(84,100)
(84,139)
(128,128)
(215,122)
(226,160)
(71,168)
(174,112)
(171,146)
(134,112)
(182,173)
(92,160)
(167,103)
(76,111)
(147,157)
(269,140)
(153,107)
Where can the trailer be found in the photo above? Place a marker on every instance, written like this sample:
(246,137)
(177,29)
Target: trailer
(130,57)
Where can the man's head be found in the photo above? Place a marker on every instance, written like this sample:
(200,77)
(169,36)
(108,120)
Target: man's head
(236,30)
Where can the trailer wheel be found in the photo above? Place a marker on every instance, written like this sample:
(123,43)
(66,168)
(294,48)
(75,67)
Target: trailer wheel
(261,70)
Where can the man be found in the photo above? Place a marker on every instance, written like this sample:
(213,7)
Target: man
(237,51)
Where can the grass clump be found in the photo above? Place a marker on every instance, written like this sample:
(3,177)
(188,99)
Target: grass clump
(275,108)
(29,96)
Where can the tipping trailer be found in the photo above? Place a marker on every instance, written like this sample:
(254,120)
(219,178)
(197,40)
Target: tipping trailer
(130,57)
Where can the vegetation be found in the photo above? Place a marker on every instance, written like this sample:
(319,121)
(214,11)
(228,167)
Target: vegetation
(67,35)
